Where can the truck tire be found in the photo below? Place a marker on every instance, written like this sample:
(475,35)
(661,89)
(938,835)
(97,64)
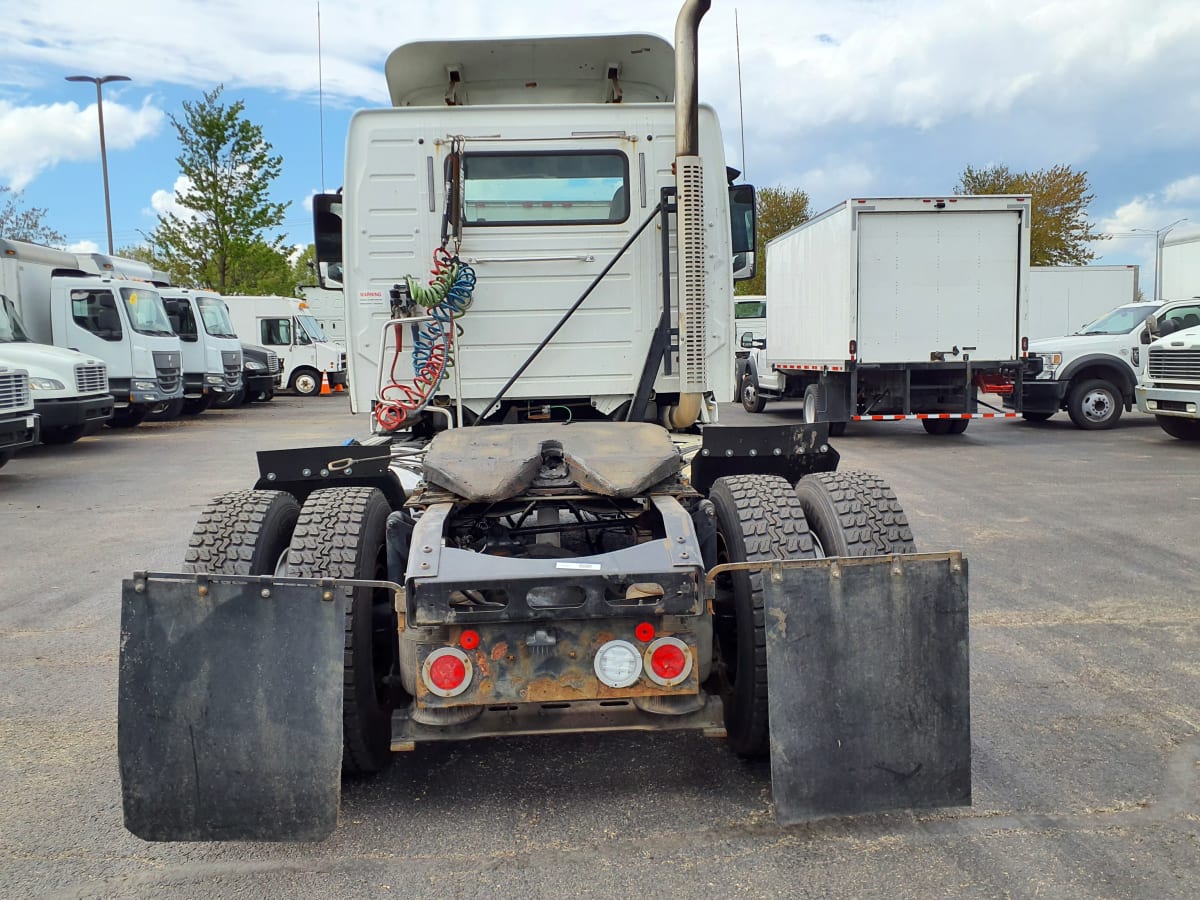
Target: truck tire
(945,426)
(854,514)
(195,407)
(230,401)
(1036,416)
(958,426)
(5,456)
(128,417)
(812,404)
(243,533)
(306,382)
(165,411)
(1095,404)
(758,517)
(341,533)
(752,400)
(63,434)
(1179,427)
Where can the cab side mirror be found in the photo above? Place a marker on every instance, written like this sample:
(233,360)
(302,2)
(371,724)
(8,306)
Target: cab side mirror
(747,340)
(1146,338)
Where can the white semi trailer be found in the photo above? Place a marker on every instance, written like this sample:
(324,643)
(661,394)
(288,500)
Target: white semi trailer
(1180,277)
(1063,300)
(896,308)
(526,576)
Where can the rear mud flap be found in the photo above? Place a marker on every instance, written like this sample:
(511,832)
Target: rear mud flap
(229,721)
(869,701)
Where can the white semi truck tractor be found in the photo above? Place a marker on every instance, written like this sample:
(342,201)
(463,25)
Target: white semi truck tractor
(545,532)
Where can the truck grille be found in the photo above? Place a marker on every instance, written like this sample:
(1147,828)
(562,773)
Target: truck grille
(231,360)
(1172,365)
(14,391)
(91,379)
(272,362)
(167,366)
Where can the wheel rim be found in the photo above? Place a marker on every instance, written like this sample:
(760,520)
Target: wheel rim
(810,408)
(306,384)
(1097,405)
(749,393)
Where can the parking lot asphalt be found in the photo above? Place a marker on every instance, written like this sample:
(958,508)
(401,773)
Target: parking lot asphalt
(1085,654)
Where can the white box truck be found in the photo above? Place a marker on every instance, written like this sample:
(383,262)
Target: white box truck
(102,314)
(70,389)
(1065,299)
(1180,276)
(1169,388)
(896,308)
(18,421)
(286,325)
(328,307)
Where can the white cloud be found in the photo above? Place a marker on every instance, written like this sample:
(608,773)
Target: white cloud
(1183,189)
(164,202)
(84,247)
(36,138)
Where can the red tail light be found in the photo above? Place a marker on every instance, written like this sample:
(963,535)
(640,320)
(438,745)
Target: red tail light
(853,349)
(447,672)
(668,661)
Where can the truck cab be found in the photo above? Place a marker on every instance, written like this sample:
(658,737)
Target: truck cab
(1092,373)
(1169,388)
(287,326)
(18,421)
(82,303)
(328,307)
(70,390)
(212,352)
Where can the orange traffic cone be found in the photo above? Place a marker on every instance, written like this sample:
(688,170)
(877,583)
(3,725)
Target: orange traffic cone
(324,385)
(339,388)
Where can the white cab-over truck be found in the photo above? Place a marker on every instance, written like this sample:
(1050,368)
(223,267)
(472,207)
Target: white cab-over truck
(70,389)
(286,326)
(1169,388)
(1064,299)
(896,308)
(528,575)
(18,421)
(328,306)
(80,303)
(1092,373)
(212,352)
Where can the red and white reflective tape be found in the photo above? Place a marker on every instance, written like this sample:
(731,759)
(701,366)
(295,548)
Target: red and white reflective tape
(935,416)
(783,368)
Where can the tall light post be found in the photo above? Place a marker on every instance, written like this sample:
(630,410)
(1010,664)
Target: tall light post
(1160,237)
(98,81)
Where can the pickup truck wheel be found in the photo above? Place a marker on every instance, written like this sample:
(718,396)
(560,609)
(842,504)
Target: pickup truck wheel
(63,434)
(306,382)
(854,514)
(1036,416)
(1095,404)
(758,517)
(342,533)
(243,533)
(752,400)
(1178,427)
(128,417)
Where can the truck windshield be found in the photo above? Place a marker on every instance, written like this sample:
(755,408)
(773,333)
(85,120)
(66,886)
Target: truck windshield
(313,327)
(146,313)
(215,317)
(548,188)
(1121,320)
(11,331)
(750,309)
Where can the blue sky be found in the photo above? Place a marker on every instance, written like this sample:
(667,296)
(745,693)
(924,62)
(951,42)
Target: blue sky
(853,98)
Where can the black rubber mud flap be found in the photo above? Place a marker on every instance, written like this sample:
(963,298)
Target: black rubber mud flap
(869,685)
(229,720)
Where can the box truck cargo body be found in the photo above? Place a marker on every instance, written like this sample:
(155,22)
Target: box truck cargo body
(896,308)
(1065,299)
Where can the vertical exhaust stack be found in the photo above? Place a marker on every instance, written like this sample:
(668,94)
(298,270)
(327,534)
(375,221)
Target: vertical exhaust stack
(689,187)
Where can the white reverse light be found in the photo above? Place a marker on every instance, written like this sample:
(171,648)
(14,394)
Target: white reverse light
(618,664)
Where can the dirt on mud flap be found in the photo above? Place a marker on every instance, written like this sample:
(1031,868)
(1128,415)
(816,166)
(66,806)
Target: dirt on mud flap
(869,707)
(229,724)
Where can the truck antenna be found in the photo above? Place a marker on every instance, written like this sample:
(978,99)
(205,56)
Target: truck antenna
(737,40)
(321,98)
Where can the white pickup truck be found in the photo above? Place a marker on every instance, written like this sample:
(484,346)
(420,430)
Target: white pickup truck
(1092,373)
(1169,388)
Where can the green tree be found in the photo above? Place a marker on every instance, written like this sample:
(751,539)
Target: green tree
(18,223)
(221,241)
(1060,234)
(776,209)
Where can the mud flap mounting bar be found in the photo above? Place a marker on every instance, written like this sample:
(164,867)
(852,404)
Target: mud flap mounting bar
(869,683)
(229,707)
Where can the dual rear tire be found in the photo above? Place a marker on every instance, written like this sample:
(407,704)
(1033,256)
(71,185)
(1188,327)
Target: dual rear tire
(338,533)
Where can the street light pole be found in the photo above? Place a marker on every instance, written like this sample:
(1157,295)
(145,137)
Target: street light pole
(98,81)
